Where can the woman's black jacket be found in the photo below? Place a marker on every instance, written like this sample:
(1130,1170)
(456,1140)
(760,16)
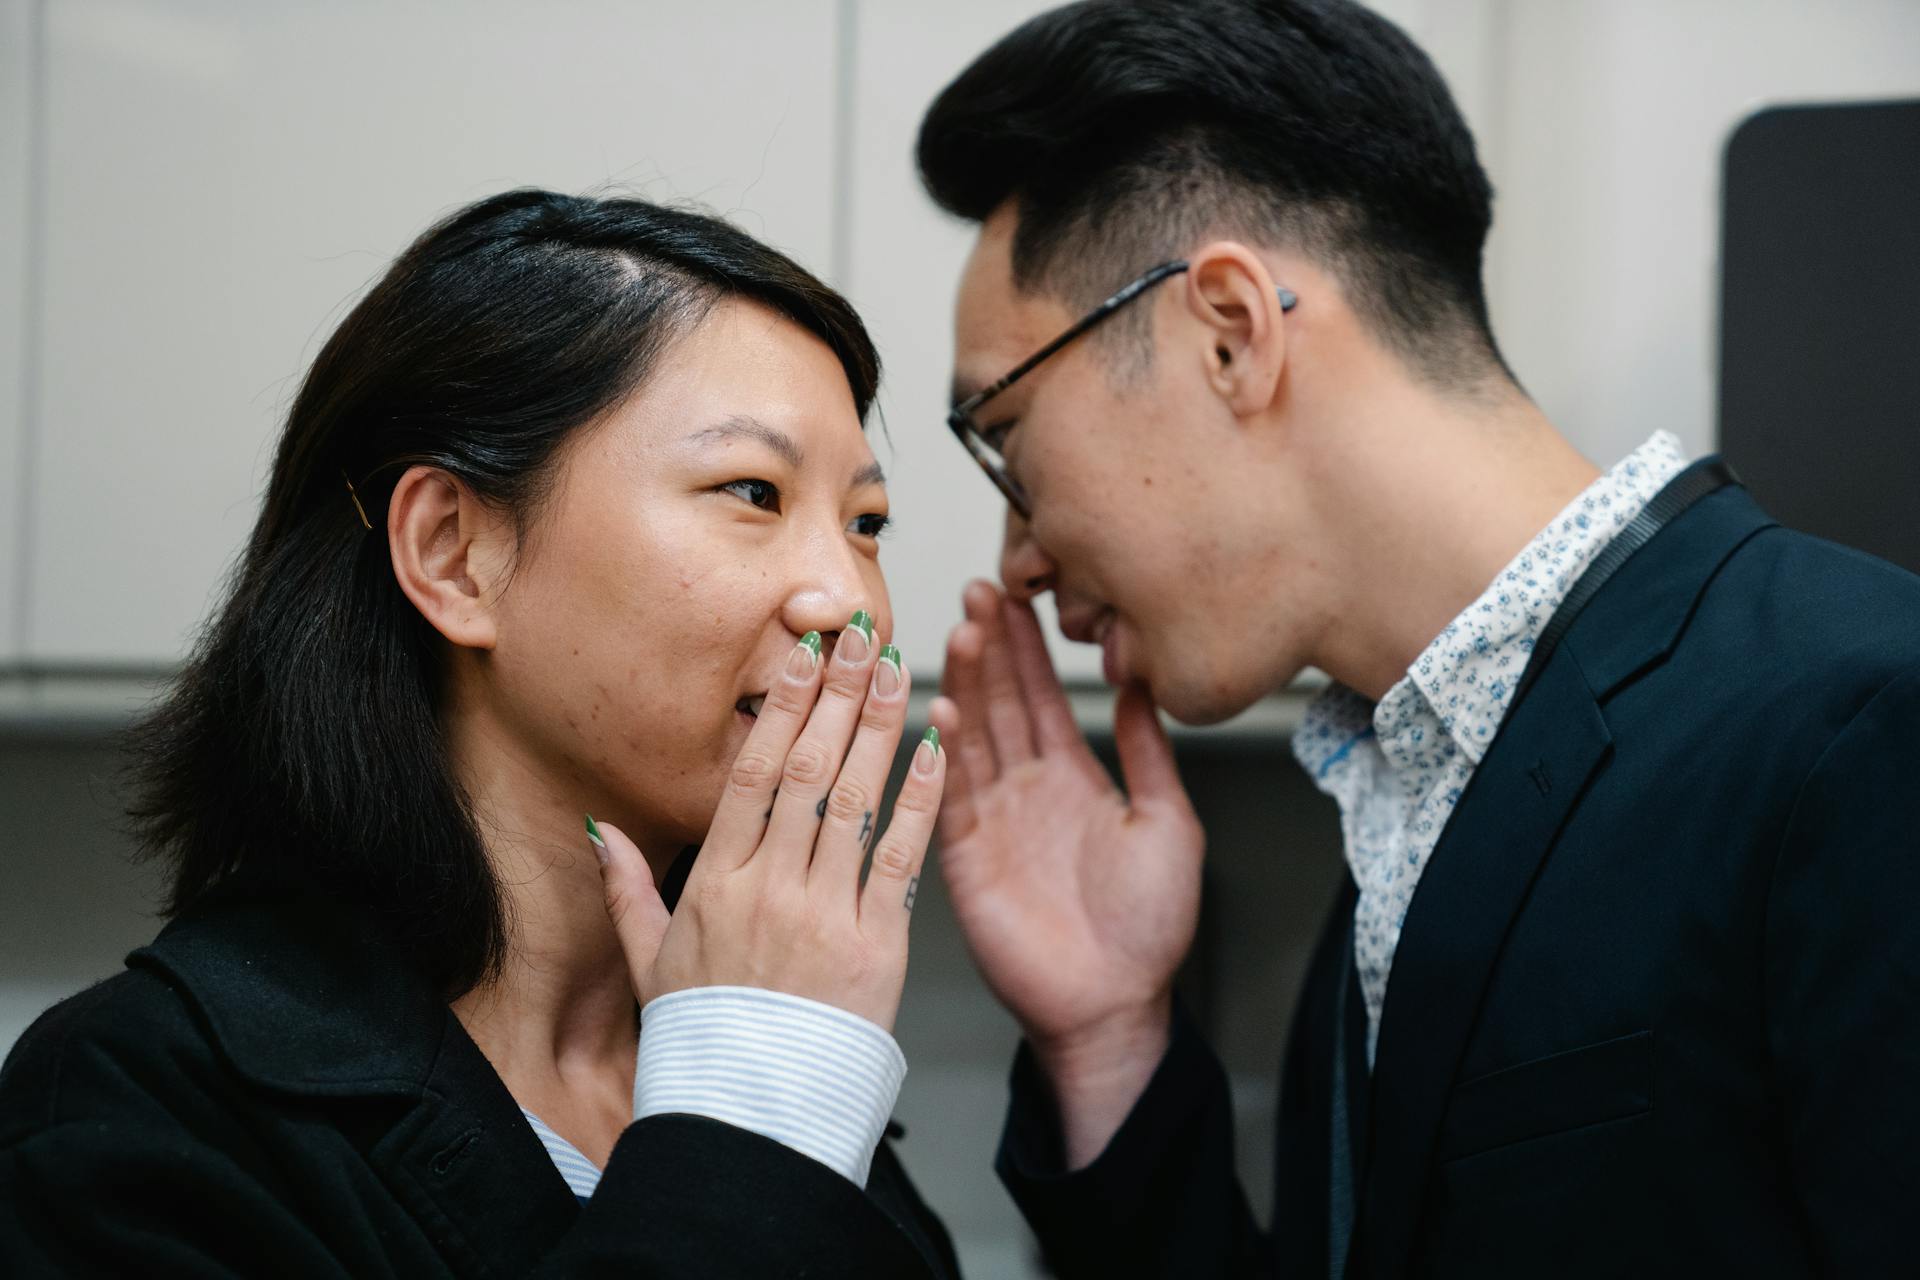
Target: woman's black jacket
(267,1090)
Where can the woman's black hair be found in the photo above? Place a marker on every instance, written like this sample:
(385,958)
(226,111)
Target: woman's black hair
(302,747)
(1128,129)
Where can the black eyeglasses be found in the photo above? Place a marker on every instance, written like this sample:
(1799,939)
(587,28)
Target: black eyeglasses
(984,445)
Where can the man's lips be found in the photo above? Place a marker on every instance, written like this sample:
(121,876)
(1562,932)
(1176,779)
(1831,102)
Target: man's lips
(1086,626)
(1095,626)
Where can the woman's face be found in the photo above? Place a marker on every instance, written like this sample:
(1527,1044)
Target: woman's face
(692,537)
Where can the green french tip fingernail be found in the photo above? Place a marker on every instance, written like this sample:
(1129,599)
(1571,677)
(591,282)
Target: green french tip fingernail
(593,832)
(890,654)
(931,737)
(864,621)
(812,641)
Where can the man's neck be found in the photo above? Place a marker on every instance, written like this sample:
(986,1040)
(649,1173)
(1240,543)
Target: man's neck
(1440,502)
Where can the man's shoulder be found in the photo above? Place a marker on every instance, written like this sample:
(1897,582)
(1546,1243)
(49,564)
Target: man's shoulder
(1815,613)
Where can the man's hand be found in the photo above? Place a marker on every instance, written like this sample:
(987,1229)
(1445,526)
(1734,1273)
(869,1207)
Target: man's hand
(1078,901)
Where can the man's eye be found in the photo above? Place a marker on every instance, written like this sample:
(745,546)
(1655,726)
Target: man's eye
(872,526)
(996,435)
(758,492)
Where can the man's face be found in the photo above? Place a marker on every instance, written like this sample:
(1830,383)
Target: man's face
(1146,490)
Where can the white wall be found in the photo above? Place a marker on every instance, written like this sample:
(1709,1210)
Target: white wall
(1604,134)
(16,188)
(222,177)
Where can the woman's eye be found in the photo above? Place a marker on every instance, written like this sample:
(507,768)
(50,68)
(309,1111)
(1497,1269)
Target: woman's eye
(758,492)
(872,526)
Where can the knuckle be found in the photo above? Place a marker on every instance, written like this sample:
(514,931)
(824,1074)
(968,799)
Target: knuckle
(788,697)
(882,716)
(892,858)
(753,772)
(848,802)
(921,795)
(916,807)
(808,765)
(846,684)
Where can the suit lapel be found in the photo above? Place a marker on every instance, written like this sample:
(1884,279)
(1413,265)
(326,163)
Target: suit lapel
(1474,884)
(1544,760)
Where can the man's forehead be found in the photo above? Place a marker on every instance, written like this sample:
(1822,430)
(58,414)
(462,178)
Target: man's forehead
(996,325)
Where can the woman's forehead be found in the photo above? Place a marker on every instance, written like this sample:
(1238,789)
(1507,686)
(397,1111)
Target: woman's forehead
(747,378)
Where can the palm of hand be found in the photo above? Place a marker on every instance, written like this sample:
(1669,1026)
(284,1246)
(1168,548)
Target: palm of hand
(1076,902)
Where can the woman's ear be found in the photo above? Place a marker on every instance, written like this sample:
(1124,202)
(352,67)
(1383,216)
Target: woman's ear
(1231,293)
(450,554)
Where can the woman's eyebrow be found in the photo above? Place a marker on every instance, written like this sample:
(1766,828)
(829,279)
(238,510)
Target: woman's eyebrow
(872,473)
(741,426)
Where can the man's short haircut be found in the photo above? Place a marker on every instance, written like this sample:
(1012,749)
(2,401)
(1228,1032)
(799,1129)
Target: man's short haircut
(1126,131)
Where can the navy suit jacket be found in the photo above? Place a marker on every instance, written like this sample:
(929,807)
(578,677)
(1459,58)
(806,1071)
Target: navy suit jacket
(1656,1005)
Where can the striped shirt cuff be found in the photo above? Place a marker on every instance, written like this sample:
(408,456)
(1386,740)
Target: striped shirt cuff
(814,1077)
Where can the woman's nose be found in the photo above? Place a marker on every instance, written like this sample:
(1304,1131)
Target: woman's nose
(828,590)
(1026,570)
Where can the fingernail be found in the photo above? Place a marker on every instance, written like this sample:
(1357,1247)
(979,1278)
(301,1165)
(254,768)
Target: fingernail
(886,676)
(854,651)
(599,844)
(928,751)
(806,656)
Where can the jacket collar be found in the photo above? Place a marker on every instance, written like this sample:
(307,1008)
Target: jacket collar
(1635,621)
(1554,742)
(307,997)
(302,994)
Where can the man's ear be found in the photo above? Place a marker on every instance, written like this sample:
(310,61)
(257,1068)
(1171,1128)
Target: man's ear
(1230,291)
(450,554)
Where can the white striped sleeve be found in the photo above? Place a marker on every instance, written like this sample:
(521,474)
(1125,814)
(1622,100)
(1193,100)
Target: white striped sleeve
(814,1077)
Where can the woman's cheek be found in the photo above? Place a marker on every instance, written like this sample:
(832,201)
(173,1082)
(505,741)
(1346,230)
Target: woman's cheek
(882,606)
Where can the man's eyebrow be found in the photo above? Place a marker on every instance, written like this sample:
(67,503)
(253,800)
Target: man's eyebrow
(740,426)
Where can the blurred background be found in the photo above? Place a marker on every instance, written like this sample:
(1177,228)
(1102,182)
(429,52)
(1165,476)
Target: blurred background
(193,192)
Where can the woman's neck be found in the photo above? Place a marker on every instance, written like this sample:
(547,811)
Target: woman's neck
(558,1023)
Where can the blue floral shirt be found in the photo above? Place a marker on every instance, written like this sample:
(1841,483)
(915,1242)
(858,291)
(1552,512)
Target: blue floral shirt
(1398,768)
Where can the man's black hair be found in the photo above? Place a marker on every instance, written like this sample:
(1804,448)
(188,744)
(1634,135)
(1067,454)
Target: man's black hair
(1127,131)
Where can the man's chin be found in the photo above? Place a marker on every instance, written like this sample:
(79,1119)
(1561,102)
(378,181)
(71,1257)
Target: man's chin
(1198,707)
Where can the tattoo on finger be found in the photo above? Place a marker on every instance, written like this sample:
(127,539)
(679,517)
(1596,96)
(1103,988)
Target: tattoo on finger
(913,887)
(820,810)
(866,828)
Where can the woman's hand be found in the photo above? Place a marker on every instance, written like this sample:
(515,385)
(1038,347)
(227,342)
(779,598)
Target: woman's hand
(1078,901)
(774,899)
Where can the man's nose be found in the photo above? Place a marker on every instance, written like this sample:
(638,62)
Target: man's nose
(1025,569)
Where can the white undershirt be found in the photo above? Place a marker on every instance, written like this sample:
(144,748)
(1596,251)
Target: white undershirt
(808,1075)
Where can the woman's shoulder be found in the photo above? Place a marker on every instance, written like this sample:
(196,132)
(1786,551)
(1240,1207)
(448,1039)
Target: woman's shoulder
(124,1043)
(239,999)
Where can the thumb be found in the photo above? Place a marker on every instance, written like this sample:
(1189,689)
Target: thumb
(1146,756)
(633,903)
